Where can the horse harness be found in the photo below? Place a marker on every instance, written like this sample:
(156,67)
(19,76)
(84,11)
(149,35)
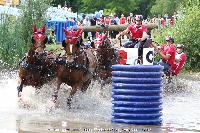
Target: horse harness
(38,65)
(74,65)
(108,64)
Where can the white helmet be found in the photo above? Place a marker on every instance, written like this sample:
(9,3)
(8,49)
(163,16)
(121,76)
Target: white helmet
(138,17)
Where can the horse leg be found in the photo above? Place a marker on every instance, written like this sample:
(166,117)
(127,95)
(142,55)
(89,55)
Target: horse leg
(37,90)
(85,85)
(55,95)
(19,90)
(73,91)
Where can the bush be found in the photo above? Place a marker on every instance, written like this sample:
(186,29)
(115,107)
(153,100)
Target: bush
(16,32)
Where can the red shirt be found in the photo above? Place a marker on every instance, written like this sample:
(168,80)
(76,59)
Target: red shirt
(179,65)
(137,32)
(169,49)
(163,22)
(122,20)
(172,20)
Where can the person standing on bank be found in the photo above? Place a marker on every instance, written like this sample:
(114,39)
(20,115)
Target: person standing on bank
(167,52)
(180,59)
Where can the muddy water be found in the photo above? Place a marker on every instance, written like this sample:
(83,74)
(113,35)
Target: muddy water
(91,111)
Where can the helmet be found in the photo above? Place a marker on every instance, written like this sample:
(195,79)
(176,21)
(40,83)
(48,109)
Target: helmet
(139,17)
(168,38)
(179,46)
(172,39)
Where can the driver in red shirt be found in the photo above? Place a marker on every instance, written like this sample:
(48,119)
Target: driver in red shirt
(138,33)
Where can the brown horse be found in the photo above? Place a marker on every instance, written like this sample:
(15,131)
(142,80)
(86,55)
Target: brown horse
(106,57)
(76,67)
(37,67)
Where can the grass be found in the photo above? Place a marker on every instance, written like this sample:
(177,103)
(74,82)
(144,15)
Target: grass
(58,49)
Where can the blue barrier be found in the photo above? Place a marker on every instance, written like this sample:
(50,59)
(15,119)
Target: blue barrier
(137,94)
(58,26)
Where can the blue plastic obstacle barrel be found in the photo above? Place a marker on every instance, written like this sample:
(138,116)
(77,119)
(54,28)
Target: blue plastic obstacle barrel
(58,26)
(137,94)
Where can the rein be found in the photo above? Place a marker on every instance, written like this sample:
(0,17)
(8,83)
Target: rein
(74,64)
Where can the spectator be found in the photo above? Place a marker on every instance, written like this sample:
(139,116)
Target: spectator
(93,22)
(107,20)
(122,20)
(174,17)
(113,22)
(86,22)
(117,19)
(130,18)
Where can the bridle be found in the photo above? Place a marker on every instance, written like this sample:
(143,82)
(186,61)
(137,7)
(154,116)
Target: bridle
(39,39)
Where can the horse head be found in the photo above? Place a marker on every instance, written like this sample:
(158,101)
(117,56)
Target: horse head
(39,38)
(102,41)
(72,42)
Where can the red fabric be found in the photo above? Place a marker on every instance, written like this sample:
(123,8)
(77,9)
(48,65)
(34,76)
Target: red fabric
(169,49)
(100,38)
(163,22)
(100,20)
(172,20)
(79,32)
(123,56)
(122,20)
(39,35)
(137,32)
(72,34)
(177,67)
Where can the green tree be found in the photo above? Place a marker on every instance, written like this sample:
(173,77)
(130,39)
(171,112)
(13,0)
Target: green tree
(118,6)
(74,4)
(122,6)
(90,6)
(166,6)
(16,32)
(144,7)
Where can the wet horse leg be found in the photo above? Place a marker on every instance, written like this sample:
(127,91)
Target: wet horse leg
(19,90)
(55,95)
(73,91)
(86,85)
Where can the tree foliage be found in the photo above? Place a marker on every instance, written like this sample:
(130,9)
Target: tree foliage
(117,6)
(166,6)
(144,7)
(16,32)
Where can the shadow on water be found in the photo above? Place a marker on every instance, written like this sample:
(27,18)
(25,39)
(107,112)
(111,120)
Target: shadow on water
(91,111)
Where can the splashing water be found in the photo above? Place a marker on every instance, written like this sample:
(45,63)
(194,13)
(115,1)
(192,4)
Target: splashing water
(92,109)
